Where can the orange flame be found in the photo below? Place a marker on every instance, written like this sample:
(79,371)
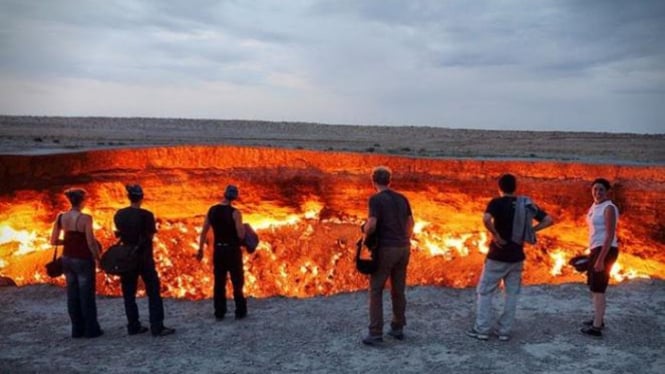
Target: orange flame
(308,237)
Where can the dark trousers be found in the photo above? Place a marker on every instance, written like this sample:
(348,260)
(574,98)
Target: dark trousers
(598,280)
(393,262)
(81,302)
(129,283)
(228,259)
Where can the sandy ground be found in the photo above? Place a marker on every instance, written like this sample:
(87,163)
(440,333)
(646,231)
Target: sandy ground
(47,134)
(323,335)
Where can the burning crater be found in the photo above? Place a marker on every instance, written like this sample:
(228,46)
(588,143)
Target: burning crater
(307,206)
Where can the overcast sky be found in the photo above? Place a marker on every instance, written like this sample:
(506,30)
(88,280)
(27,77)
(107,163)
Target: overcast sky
(544,65)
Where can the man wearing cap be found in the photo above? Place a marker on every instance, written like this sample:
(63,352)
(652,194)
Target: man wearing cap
(228,230)
(136,226)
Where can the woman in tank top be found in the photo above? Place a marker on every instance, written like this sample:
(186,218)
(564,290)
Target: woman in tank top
(80,251)
(602,221)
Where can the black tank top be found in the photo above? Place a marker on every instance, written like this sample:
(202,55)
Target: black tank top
(221,219)
(76,244)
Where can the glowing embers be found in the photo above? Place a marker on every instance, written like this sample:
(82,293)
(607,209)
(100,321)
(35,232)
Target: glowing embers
(439,242)
(300,259)
(308,239)
(559,260)
(303,255)
(618,273)
(20,242)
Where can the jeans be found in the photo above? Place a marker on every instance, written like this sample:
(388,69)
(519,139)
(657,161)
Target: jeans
(129,283)
(81,302)
(228,259)
(392,264)
(493,273)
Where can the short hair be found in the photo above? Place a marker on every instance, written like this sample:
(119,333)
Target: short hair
(231,192)
(381,175)
(134,192)
(75,196)
(508,183)
(604,182)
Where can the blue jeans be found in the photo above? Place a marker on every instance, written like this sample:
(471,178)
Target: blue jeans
(129,283)
(81,302)
(493,273)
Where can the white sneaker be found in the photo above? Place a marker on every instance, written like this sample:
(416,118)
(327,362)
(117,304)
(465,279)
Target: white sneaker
(475,334)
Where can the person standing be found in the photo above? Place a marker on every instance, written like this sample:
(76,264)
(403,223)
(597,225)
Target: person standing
(228,231)
(80,252)
(602,220)
(508,218)
(391,220)
(136,226)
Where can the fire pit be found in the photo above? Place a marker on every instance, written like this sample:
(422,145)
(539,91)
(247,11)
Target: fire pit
(307,205)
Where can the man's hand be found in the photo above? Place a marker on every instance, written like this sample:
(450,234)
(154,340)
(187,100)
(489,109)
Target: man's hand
(199,254)
(499,241)
(370,226)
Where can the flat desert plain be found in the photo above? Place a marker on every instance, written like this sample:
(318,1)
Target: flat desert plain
(322,334)
(21,135)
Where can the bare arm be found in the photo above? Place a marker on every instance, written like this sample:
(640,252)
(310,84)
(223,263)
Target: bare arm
(240,228)
(90,237)
(203,238)
(55,232)
(370,226)
(546,222)
(610,228)
(489,225)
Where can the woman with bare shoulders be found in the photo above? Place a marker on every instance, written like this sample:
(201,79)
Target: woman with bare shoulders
(602,220)
(80,252)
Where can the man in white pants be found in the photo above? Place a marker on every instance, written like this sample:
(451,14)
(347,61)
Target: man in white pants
(508,218)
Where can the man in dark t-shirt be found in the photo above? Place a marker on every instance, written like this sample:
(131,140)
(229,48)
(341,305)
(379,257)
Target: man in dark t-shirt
(136,226)
(508,218)
(502,211)
(395,211)
(391,220)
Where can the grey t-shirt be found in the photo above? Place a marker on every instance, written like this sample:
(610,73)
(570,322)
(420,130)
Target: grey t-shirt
(391,210)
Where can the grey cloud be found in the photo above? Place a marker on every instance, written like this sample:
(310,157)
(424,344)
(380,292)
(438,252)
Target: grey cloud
(567,36)
(518,64)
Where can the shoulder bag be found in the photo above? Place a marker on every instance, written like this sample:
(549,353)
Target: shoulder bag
(120,258)
(54,268)
(251,239)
